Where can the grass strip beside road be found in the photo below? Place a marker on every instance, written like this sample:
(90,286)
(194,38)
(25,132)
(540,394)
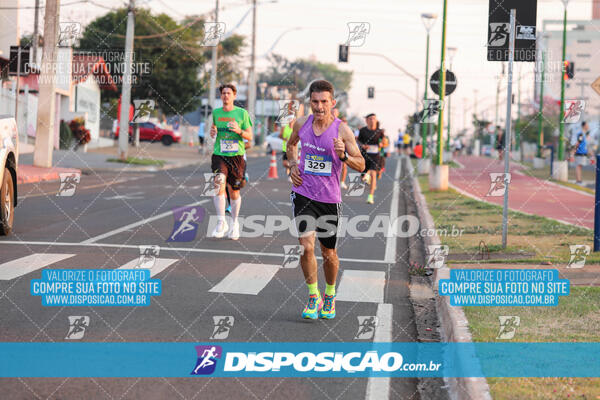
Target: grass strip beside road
(138,161)
(538,239)
(575,319)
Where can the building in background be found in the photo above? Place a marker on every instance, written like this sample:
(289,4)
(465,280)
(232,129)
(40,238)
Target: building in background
(583,37)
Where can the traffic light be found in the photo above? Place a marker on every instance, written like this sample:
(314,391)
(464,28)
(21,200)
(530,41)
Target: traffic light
(370,92)
(569,70)
(343,53)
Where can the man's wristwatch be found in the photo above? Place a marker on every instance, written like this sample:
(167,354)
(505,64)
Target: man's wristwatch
(345,157)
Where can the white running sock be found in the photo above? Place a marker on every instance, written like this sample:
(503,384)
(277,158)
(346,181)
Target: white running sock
(235,208)
(220,206)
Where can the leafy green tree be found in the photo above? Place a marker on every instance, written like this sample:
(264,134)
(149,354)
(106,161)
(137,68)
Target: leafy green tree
(174,53)
(299,73)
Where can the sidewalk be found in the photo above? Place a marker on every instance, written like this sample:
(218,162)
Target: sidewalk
(95,160)
(526,194)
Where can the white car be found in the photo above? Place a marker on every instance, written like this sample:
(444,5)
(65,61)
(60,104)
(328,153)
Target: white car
(9,159)
(274,142)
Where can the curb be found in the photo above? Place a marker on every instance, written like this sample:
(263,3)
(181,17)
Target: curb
(453,322)
(43,175)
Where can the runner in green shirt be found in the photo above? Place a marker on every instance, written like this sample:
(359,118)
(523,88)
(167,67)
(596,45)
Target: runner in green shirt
(231,125)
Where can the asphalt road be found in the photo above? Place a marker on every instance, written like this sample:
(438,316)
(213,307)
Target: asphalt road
(106,220)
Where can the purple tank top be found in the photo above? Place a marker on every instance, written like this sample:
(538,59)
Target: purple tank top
(319,164)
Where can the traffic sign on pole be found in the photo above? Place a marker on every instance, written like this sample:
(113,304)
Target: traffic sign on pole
(498,30)
(434,82)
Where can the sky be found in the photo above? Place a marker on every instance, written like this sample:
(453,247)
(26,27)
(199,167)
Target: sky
(396,30)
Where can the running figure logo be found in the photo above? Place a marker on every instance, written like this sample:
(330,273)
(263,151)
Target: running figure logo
(366,327)
(287,111)
(223,324)
(186,223)
(437,255)
(213,31)
(579,252)
(499,183)
(69,32)
(68,183)
(207,359)
(77,325)
(148,255)
(357,34)
(211,184)
(431,110)
(508,326)
(291,255)
(573,111)
(356,186)
(499,34)
(143,109)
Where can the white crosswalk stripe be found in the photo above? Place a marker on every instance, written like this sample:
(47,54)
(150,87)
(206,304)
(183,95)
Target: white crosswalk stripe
(247,278)
(160,264)
(24,265)
(361,286)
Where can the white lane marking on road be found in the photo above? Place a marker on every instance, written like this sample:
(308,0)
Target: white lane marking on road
(24,265)
(136,224)
(160,264)
(177,249)
(285,203)
(379,388)
(130,196)
(390,245)
(361,286)
(247,278)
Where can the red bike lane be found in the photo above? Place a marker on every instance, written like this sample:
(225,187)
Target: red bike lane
(527,194)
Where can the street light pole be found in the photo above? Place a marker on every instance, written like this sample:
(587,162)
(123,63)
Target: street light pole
(428,21)
(561,142)
(451,54)
(126,88)
(440,156)
(540,141)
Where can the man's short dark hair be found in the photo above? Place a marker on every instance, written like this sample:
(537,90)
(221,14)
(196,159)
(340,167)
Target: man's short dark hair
(321,86)
(228,85)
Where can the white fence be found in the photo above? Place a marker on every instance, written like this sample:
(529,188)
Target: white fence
(26,121)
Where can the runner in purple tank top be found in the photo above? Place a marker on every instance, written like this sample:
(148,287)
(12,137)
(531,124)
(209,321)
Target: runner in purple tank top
(316,197)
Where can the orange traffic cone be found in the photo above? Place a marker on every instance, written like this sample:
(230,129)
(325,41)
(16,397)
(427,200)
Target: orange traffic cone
(273,166)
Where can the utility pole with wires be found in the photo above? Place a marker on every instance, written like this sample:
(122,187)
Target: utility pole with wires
(252,72)
(35,32)
(213,72)
(126,87)
(44,137)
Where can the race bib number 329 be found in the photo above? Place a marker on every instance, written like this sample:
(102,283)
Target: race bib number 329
(317,165)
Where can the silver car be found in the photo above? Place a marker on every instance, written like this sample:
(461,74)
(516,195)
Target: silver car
(9,159)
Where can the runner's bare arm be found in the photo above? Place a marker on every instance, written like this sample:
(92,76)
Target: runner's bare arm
(292,151)
(247,134)
(346,142)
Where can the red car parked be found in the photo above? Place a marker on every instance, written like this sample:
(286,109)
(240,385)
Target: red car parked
(151,132)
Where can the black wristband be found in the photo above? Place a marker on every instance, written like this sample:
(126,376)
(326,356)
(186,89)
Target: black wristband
(345,157)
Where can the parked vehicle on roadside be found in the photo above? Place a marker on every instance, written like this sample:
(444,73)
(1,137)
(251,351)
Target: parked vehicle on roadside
(9,159)
(153,133)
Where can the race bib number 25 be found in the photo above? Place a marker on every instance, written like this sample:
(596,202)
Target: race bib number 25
(317,165)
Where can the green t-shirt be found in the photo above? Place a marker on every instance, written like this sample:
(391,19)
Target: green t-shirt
(228,143)
(287,133)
